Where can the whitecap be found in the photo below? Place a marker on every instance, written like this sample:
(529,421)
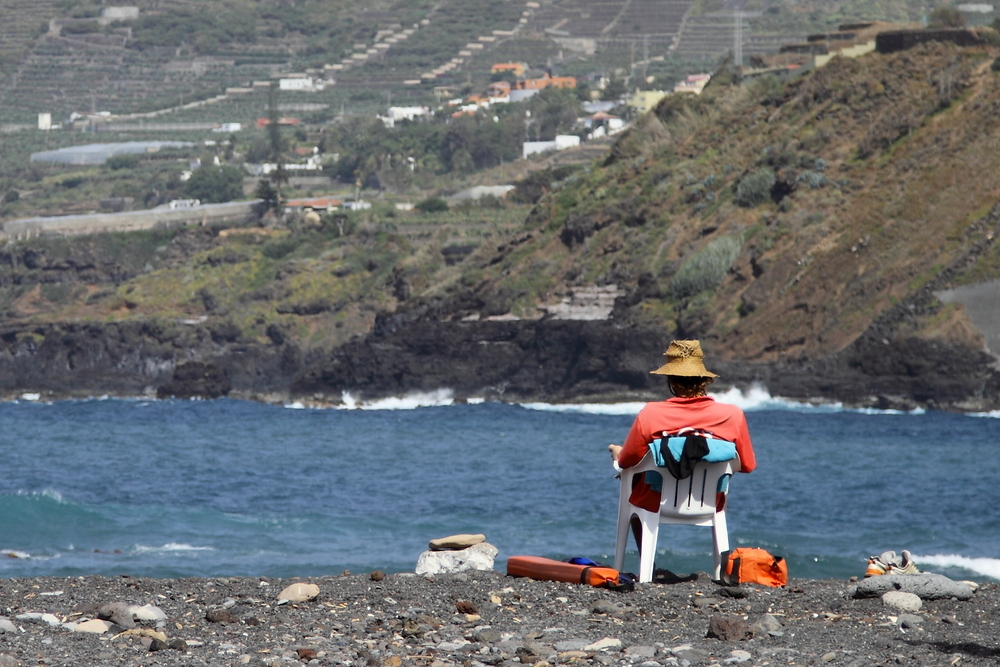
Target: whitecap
(438,398)
(51,494)
(989,567)
(587,408)
(28,396)
(297,405)
(992,414)
(170,547)
(475,401)
(14,553)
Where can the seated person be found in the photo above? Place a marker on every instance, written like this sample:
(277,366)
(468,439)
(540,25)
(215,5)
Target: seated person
(690,407)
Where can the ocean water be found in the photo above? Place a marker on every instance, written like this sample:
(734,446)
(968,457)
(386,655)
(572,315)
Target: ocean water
(201,488)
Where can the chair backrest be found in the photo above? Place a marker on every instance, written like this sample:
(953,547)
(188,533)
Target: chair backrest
(700,495)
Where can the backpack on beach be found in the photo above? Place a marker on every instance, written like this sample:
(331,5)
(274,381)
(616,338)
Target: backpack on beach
(749,565)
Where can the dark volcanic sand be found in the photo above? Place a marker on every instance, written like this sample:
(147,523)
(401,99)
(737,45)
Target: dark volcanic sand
(409,620)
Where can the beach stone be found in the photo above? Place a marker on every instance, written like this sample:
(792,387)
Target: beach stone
(7,660)
(728,629)
(157,645)
(737,656)
(221,615)
(604,644)
(95,626)
(927,586)
(570,656)
(476,557)
(910,620)
(767,625)
(604,607)
(299,592)
(178,644)
(705,602)
(692,655)
(6,625)
(466,607)
(829,657)
(571,645)
(149,612)
(640,651)
(48,619)
(456,542)
(901,601)
(377,575)
(118,613)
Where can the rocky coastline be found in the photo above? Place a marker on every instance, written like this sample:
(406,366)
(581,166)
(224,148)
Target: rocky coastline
(479,619)
(557,361)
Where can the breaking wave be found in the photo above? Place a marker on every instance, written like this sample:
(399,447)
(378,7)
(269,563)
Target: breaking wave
(988,567)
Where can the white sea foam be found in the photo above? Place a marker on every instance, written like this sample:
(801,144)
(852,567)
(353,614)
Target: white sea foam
(27,396)
(992,414)
(51,494)
(587,408)
(436,398)
(297,405)
(989,567)
(754,398)
(14,553)
(171,547)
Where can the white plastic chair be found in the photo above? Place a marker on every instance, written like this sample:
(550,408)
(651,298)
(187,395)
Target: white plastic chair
(699,500)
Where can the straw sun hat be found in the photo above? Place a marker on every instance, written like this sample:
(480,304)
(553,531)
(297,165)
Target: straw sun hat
(684,359)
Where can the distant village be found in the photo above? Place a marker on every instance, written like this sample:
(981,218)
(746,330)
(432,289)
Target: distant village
(513,82)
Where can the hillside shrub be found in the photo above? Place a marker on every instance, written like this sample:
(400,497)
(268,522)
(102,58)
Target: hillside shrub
(755,188)
(706,269)
(431,205)
(215,184)
(127,161)
(996,64)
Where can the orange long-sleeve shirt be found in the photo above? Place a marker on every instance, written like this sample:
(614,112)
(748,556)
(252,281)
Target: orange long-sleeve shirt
(726,422)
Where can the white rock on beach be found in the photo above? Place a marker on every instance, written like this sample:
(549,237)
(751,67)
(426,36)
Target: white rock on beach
(901,601)
(299,593)
(455,542)
(6,625)
(604,644)
(149,612)
(476,557)
(95,626)
(49,619)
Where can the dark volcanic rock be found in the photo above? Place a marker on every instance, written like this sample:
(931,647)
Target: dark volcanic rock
(558,359)
(195,378)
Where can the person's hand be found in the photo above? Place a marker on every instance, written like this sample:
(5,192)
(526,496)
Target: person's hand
(616,451)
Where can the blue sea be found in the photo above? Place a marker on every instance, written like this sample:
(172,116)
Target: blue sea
(199,488)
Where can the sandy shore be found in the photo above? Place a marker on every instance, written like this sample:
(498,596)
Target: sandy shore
(485,618)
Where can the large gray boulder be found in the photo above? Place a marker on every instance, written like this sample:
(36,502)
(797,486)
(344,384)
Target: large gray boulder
(927,586)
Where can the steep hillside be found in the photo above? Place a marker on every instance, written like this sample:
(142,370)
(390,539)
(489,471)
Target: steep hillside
(798,230)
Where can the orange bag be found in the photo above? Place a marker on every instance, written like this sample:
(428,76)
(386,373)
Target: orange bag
(547,569)
(748,565)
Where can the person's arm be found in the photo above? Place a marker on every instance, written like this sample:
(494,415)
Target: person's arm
(744,447)
(636,444)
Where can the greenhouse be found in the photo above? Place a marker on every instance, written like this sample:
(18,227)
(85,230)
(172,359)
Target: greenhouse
(99,153)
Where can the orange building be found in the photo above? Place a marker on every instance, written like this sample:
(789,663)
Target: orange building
(545,82)
(516,68)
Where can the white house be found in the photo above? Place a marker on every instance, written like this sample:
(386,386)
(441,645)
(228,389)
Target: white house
(562,142)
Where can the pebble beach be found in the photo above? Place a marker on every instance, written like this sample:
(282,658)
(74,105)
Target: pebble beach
(479,618)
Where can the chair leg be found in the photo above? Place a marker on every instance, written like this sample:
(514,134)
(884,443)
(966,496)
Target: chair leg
(647,550)
(720,541)
(622,544)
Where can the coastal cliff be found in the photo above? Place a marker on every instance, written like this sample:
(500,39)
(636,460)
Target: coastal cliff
(818,237)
